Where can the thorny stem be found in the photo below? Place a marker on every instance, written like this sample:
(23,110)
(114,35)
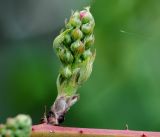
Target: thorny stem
(45,130)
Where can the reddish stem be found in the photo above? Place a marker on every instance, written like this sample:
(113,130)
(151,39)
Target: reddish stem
(45,130)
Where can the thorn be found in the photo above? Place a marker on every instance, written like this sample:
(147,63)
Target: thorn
(81,131)
(44,118)
(144,135)
(45,110)
(126,126)
(51,131)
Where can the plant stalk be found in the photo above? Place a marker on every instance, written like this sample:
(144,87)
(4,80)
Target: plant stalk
(45,130)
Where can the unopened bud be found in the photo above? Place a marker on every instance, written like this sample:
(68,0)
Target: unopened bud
(67,39)
(77,47)
(19,133)
(75,20)
(65,56)
(8,133)
(89,41)
(11,123)
(66,72)
(77,34)
(23,121)
(2,130)
(87,28)
(86,16)
(68,57)
(86,54)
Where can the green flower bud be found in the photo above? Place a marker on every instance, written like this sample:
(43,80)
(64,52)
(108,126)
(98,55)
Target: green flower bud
(9,133)
(86,54)
(68,57)
(66,72)
(86,17)
(19,133)
(87,28)
(2,129)
(23,121)
(65,56)
(21,124)
(89,41)
(77,47)
(67,39)
(75,20)
(11,123)
(77,34)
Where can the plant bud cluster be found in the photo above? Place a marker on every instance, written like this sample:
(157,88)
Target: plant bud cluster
(77,42)
(74,47)
(19,126)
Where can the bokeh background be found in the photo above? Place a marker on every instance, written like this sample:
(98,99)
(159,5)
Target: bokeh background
(124,87)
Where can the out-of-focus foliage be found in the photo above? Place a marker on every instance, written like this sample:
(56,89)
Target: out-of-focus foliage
(124,87)
(20,126)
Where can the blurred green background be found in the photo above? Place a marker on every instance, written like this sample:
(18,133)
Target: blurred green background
(124,87)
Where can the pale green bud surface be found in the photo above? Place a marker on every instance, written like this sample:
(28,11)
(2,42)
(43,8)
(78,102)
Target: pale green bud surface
(67,40)
(66,72)
(77,47)
(76,34)
(87,28)
(89,41)
(75,19)
(86,54)
(86,16)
